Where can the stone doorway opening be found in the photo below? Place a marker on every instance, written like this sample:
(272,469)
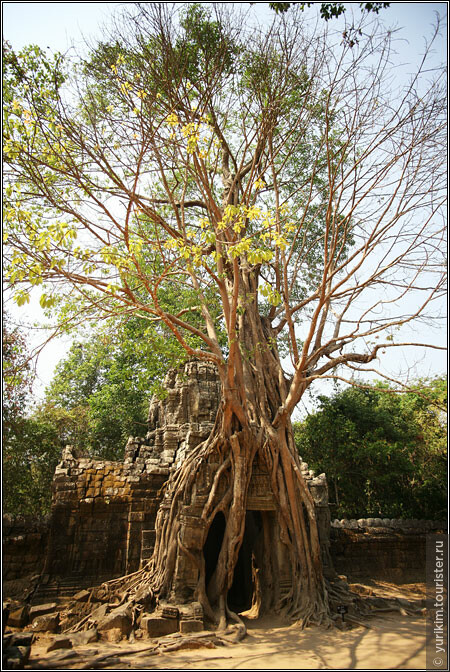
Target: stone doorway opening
(245,580)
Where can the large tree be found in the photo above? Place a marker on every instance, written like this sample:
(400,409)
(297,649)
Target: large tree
(281,178)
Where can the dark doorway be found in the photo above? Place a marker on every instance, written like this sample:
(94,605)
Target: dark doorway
(240,595)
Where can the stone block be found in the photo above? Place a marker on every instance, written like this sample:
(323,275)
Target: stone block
(59,642)
(22,639)
(119,618)
(114,635)
(99,613)
(169,612)
(16,657)
(46,623)
(191,626)
(156,626)
(19,617)
(40,609)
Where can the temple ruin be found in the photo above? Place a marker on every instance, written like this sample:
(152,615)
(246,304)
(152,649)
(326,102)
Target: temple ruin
(103,513)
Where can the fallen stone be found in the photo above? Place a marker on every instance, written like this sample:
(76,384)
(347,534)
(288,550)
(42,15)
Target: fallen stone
(156,626)
(60,642)
(114,635)
(19,617)
(119,618)
(46,623)
(22,639)
(99,613)
(41,609)
(16,657)
(7,639)
(82,596)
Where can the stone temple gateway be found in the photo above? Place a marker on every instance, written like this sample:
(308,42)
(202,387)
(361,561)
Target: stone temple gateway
(103,513)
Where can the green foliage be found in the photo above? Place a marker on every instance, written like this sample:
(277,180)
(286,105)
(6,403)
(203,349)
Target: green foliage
(200,175)
(98,397)
(83,153)
(18,376)
(29,446)
(384,454)
(204,47)
(108,380)
(30,456)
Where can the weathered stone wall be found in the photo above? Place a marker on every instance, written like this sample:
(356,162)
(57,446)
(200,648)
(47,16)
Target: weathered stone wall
(103,513)
(102,516)
(25,541)
(390,550)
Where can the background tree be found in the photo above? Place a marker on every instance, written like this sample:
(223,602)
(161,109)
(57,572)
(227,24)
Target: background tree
(384,454)
(18,376)
(279,178)
(109,377)
(24,457)
(30,454)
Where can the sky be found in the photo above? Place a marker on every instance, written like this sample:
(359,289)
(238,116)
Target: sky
(61,25)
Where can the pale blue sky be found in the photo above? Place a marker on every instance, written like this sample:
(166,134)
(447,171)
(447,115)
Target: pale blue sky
(58,25)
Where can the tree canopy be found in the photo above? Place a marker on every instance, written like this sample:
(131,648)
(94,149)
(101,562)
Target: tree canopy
(18,375)
(328,10)
(30,449)
(173,159)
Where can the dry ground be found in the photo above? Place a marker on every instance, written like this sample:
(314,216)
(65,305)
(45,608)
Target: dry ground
(393,641)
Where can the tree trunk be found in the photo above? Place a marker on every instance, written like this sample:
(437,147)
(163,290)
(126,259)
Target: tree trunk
(249,428)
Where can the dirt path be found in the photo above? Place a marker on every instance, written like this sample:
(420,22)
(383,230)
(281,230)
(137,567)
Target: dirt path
(392,642)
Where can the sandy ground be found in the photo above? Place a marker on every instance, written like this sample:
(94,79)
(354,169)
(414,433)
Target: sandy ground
(392,642)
